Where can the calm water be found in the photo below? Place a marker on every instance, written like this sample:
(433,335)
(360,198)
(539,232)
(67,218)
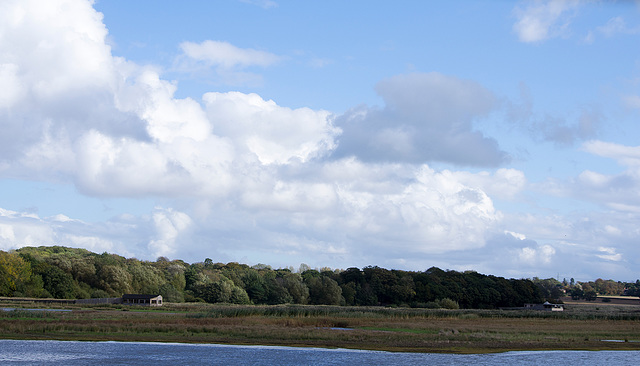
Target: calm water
(119,353)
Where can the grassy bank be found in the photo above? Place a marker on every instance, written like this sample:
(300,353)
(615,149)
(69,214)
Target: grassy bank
(391,329)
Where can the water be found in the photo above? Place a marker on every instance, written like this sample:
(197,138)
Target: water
(124,353)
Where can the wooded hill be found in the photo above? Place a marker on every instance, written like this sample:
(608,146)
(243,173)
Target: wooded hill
(68,273)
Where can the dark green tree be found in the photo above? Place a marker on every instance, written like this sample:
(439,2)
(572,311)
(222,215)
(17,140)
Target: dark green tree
(324,291)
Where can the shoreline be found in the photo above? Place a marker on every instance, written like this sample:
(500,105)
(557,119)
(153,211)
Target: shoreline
(327,349)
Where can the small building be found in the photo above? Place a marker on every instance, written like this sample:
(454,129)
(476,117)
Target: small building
(547,306)
(144,300)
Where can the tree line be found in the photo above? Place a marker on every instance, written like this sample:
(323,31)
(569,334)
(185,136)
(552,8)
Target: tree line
(69,273)
(552,288)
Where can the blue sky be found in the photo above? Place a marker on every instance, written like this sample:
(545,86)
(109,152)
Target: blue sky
(494,136)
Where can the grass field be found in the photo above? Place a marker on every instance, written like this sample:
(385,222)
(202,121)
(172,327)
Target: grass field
(580,327)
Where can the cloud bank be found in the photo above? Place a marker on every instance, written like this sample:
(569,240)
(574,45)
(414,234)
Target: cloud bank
(240,177)
(426,118)
(115,129)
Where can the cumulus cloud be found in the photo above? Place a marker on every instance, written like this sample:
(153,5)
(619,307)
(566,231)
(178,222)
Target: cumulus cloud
(243,178)
(540,20)
(536,255)
(502,184)
(115,128)
(54,66)
(143,237)
(118,130)
(427,117)
(273,133)
(93,243)
(433,212)
(23,229)
(169,225)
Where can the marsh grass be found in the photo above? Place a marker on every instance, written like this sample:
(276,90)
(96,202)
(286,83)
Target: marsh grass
(396,329)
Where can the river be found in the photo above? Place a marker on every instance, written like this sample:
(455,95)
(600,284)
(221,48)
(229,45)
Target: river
(14,352)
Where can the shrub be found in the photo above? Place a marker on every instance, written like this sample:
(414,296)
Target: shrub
(447,303)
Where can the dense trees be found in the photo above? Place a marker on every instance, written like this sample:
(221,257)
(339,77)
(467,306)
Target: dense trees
(77,273)
(15,273)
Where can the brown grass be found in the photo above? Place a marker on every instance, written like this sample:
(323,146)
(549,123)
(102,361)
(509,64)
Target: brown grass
(392,329)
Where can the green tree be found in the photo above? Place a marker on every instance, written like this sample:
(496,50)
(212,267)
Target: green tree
(296,287)
(324,291)
(222,289)
(115,279)
(170,293)
(15,273)
(58,283)
(577,293)
(276,292)
(255,286)
(590,295)
(145,278)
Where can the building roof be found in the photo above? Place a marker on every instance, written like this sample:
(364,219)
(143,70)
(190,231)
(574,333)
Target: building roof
(139,296)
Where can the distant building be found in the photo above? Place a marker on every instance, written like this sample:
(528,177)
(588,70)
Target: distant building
(145,300)
(130,299)
(547,306)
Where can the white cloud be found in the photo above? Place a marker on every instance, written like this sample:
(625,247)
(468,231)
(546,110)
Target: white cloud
(259,180)
(516,235)
(226,60)
(617,25)
(21,229)
(609,253)
(169,225)
(93,243)
(61,218)
(162,232)
(434,208)
(226,55)
(273,133)
(107,166)
(626,155)
(503,183)
(427,117)
(54,59)
(612,230)
(12,90)
(540,20)
(166,118)
(541,255)
(616,191)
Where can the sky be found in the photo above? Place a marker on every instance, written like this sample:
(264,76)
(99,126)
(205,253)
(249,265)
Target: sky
(495,136)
